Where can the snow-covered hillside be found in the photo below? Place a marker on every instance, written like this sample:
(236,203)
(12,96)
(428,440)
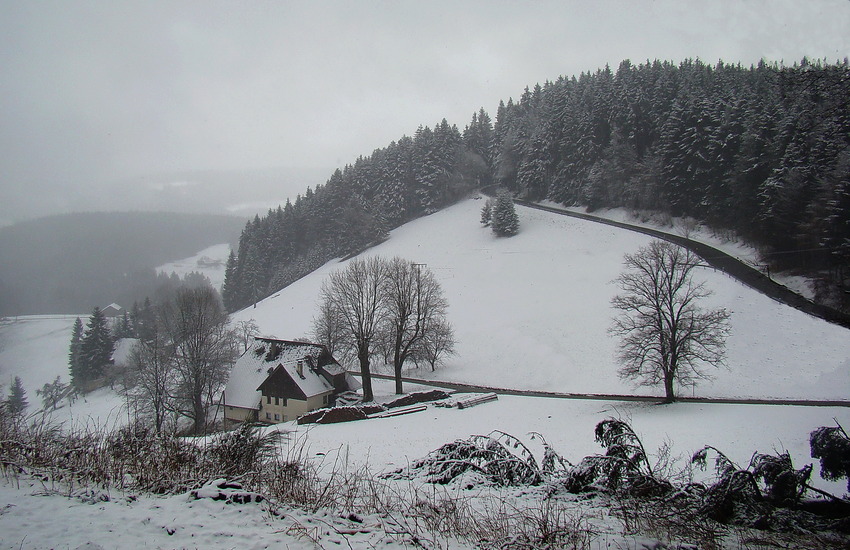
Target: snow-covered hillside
(529,312)
(35,348)
(532,311)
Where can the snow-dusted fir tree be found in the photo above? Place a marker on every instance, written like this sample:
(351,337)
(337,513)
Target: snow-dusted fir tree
(17,401)
(230,289)
(504,221)
(124,328)
(487,213)
(95,349)
(74,352)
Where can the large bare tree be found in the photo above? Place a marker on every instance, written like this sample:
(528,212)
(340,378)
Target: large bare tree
(352,297)
(149,383)
(666,337)
(414,306)
(195,323)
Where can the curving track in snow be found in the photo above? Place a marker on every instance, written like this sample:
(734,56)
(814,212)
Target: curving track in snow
(718,259)
(610,397)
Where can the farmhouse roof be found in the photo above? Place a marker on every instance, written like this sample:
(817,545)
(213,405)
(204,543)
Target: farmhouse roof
(112,310)
(309,383)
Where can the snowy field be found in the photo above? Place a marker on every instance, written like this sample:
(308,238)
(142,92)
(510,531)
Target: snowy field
(36,515)
(530,312)
(726,242)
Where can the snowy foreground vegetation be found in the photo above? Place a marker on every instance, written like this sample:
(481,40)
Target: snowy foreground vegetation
(525,318)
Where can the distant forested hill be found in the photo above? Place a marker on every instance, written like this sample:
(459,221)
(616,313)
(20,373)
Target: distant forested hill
(763,151)
(70,263)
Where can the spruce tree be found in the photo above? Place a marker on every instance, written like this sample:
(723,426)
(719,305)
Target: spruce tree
(17,401)
(74,361)
(505,222)
(229,289)
(487,213)
(123,328)
(96,347)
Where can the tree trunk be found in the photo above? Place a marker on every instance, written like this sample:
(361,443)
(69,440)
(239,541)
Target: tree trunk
(198,412)
(365,375)
(668,388)
(397,364)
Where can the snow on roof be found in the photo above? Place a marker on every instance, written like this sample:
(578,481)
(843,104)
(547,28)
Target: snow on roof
(311,384)
(353,383)
(123,347)
(254,366)
(333,369)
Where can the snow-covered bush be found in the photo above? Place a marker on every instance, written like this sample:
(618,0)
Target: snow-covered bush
(498,458)
(831,445)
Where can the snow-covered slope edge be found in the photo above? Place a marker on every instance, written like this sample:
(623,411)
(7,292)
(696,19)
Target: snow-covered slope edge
(532,311)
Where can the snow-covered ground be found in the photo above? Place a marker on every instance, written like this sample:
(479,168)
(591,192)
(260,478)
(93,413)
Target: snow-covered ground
(38,515)
(529,312)
(210,261)
(35,348)
(727,242)
(533,311)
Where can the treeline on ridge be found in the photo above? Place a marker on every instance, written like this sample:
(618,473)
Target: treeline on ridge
(763,152)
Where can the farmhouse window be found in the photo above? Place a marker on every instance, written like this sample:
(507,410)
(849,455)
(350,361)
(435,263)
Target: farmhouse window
(268,400)
(277,417)
(277,401)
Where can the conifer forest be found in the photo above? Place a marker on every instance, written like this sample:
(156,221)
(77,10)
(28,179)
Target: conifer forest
(761,152)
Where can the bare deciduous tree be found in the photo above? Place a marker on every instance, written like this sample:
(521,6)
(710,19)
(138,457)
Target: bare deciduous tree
(195,323)
(389,306)
(150,378)
(329,329)
(352,297)
(437,343)
(245,332)
(413,307)
(665,335)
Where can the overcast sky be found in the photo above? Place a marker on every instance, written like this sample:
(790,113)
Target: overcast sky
(119,104)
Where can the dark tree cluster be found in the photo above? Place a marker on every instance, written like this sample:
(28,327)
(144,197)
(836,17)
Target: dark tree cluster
(91,350)
(762,151)
(357,206)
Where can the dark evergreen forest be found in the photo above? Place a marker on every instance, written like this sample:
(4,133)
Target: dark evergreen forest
(762,152)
